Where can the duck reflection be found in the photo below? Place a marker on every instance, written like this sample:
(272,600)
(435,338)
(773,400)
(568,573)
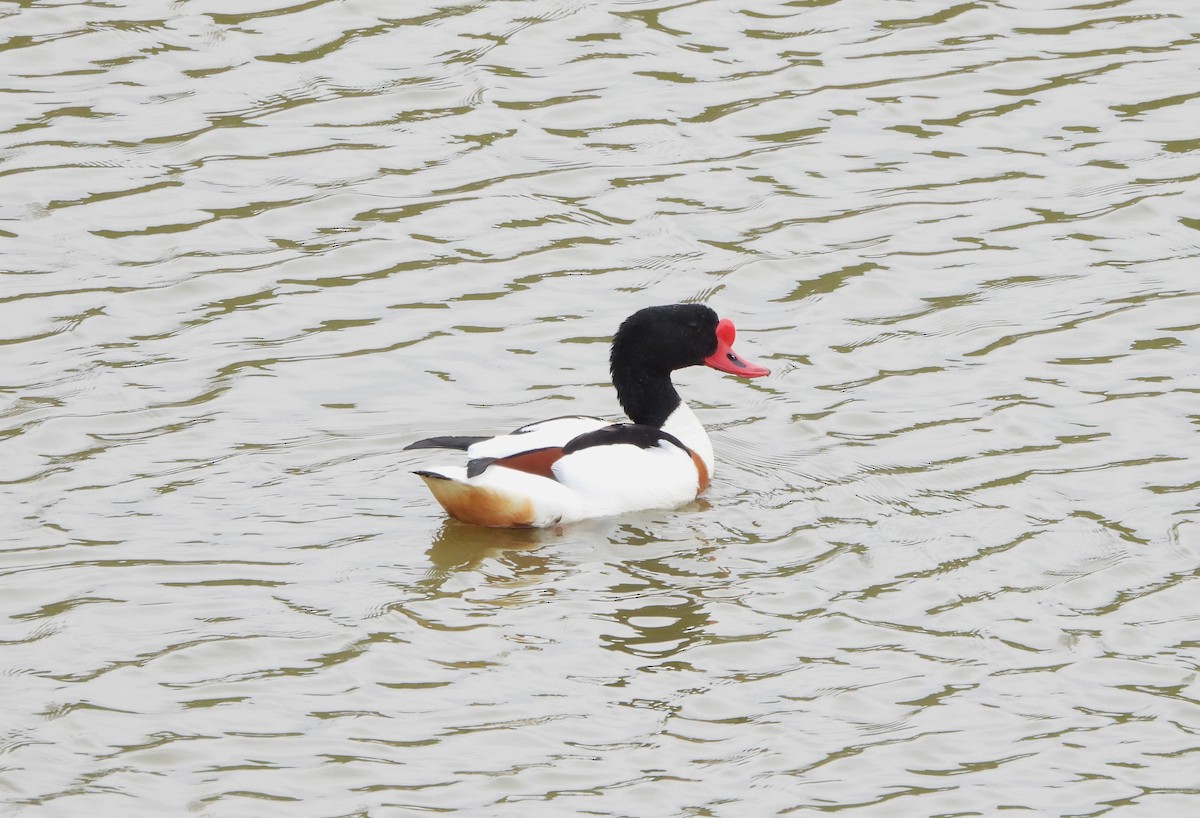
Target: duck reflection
(458,546)
(658,603)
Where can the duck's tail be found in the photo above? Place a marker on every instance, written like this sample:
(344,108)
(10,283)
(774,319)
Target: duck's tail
(475,504)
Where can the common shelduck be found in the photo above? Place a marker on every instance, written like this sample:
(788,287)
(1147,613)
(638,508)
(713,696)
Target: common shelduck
(578,467)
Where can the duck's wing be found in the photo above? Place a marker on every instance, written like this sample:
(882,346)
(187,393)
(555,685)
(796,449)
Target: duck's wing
(532,448)
(552,432)
(462,442)
(604,458)
(545,434)
(627,466)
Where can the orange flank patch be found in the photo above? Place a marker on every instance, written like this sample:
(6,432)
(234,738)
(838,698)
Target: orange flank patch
(701,473)
(537,461)
(478,505)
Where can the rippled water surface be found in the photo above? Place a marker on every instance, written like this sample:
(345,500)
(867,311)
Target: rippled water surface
(948,562)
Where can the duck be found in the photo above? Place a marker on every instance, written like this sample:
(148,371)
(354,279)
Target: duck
(577,467)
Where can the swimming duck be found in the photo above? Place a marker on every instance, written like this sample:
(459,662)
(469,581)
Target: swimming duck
(577,467)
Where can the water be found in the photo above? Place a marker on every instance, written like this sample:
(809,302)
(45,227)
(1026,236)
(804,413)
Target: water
(946,567)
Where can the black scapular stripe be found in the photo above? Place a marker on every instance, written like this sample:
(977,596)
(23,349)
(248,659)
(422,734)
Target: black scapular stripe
(477,466)
(462,442)
(632,434)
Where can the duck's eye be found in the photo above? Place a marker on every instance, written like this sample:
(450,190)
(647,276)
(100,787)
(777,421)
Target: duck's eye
(693,326)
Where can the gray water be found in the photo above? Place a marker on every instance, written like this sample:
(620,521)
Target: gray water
(948,562)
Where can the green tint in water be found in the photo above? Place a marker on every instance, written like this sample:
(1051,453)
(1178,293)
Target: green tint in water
(947,564)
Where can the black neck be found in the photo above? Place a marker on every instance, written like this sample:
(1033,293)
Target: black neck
(646,395)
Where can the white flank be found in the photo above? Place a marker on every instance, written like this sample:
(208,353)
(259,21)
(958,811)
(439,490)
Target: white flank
(617,478)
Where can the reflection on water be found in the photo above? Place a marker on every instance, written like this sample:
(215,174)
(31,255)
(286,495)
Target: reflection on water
(947,563)
(457,546)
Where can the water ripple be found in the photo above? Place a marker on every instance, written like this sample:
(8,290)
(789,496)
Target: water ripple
(947,562)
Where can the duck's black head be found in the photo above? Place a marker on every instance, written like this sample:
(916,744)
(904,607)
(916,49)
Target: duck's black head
(663,339)
(654,342)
